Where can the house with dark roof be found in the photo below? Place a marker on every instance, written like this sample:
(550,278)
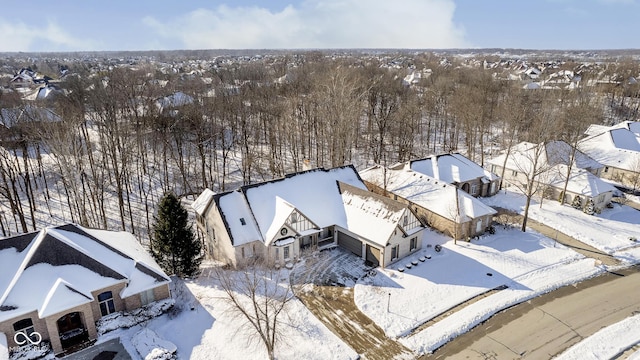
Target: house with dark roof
(60,280)
(315,209)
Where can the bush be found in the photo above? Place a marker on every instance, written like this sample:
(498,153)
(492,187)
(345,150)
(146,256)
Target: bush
(589,207)
(577,202)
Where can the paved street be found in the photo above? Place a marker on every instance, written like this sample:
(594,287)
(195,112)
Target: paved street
(548,325)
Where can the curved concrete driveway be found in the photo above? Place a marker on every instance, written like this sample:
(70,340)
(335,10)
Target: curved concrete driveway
(548,325)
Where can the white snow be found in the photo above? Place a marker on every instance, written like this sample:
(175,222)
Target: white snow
(529,264)
(451,168)
(608,342)
(609,231)
(370,217)
(4,349)
(429,193)
(203,327)
(314,193)
(151,346)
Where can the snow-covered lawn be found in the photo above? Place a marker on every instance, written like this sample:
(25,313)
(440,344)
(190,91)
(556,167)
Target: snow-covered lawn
(202,327)
(609,231)
(461,272)
(607,343)
(529,264)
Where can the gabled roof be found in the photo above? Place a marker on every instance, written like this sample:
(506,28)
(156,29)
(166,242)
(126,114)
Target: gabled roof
(554,153)
(451,168)
(429,193)
(580,182)
(60,266)
(617,146)
(336,196)
(372,216)
(203,201)
(314,192)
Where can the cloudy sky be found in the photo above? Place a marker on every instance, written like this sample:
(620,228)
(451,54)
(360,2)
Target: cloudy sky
(71,25)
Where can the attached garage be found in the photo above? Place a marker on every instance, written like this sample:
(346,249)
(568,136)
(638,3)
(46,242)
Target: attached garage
(373,255)
(350,243)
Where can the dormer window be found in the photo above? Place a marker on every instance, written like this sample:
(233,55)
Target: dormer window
(242,221)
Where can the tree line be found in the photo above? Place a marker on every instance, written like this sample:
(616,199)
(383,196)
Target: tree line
(118,148)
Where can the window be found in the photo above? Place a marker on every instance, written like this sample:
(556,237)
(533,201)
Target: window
(294,218)
(394,252)
(286,252)
(405,221)
(242,251)
(474,189)
(277,254)
(493,169)
(147,297)
(242,221)
(24,326)
(514,173)
(606,169)
(413,243)
(105,300)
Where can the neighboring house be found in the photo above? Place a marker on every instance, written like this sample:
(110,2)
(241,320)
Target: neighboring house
(440,205)
(316,209)
(173,101)
(59,281)
(456,169)
(551,171)
(618,149)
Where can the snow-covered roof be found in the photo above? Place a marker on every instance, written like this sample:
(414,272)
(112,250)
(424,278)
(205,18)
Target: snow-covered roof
(451,168)
(431,194)
(58,267)
(201,204)
(315,193)
(555,152)
(326,197)
(372,217)
(618,146)
(580,181)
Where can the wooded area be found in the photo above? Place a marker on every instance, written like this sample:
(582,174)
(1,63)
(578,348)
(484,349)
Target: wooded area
(125,137)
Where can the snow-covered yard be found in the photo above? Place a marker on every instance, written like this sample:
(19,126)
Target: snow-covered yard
(529,264)
(202,327)
(609,231)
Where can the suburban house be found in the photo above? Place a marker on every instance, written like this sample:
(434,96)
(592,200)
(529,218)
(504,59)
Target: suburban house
(550,173)
(457,170)
(59,281)
(617,148)
(441,206)
(316,209)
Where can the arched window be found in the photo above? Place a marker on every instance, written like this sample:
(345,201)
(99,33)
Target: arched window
(105,300)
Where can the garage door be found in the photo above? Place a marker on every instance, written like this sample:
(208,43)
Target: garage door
(350,243)
(373,255)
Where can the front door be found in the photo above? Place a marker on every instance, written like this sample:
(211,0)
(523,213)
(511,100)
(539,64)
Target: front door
(72,330)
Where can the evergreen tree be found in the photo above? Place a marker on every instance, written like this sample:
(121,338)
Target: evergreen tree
(577,202)
(173,244)
(590,207)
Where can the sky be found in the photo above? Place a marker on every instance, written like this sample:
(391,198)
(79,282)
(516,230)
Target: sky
(79,25)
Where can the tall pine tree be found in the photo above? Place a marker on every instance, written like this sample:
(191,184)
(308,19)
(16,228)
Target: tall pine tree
(173,244)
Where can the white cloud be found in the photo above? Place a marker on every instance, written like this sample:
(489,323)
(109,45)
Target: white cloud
(319,24)
(18,36)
